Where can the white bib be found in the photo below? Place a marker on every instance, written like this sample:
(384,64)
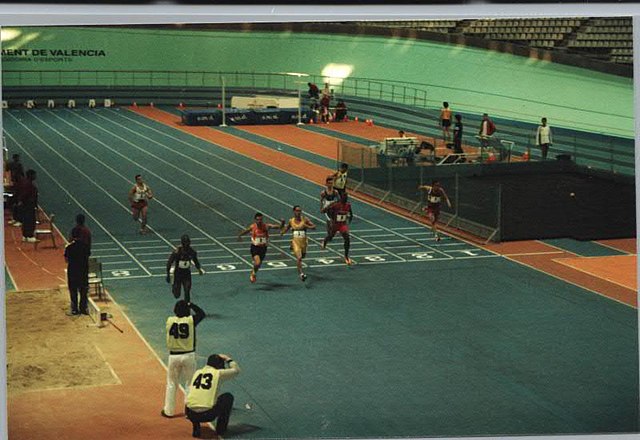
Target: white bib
(341,217)
(299,234)
(184,264)
(259,240)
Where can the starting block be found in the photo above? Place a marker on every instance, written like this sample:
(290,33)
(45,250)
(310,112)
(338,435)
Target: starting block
(31,103)
(107,103)
(51,103)
(71,103)
(92,103)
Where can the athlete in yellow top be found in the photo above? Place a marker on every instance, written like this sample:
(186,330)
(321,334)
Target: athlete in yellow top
(299,225)
(445,121)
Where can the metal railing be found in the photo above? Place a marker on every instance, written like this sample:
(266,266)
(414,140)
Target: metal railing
(383,90)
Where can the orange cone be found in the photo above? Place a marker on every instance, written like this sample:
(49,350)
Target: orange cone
(311,121)
(135,104)
(355,119)
(525,156)
(219,105)
(181,105)
(491,158)
(151,104)
(371,122)
(346,119)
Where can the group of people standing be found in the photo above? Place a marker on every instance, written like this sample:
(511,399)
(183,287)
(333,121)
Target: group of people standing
(487,129)
(320,105)
(24,202)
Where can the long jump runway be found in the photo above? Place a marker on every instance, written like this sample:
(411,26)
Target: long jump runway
(419,338)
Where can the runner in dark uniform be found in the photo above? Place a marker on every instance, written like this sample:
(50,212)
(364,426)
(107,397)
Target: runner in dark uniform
(180,260)
(328,197)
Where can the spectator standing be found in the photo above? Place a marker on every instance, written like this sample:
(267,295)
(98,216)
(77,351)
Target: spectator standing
(15,169)
(487,129)
(314,91)
(445,121)
(543,138)
(28,198)
(81,231)
(203,402)
(325,114)
(326,92)
(181,343)
(457,135)
(16,172)
(76,254)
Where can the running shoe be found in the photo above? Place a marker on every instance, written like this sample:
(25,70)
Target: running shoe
(17,224)
(438,238)
(324,244)
(303,277)
(348,261)
(252,277)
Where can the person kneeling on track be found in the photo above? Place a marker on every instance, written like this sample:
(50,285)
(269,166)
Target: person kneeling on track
(203,402)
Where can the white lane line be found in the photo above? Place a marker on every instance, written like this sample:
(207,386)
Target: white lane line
(525,254)
(240,182)
(143,168)
(76,201)
(180,169)
(220,158)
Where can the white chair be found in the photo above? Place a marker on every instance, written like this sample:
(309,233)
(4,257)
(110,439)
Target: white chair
(51,103)
(92,103)
(95,277)
(46,230)
(31,103)
(108,103)
(71,103)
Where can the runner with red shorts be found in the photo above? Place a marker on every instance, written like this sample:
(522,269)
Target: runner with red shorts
(259,241)
(435,194)
(342,216)
(138,198)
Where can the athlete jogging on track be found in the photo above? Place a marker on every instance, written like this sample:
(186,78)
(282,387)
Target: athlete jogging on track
(259,241)
(328,197)
(299,225)
(138,198)
(435,194)
(180,261)
(342,216)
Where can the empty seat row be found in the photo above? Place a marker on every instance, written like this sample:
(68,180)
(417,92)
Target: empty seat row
(523,36)
(624,52)
(604,37)
(599,44)
(611,22)
(526,22)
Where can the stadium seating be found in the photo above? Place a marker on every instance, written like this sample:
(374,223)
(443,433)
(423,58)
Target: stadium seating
(605,39)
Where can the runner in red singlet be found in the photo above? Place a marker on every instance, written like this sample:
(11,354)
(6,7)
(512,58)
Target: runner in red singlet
(259,241)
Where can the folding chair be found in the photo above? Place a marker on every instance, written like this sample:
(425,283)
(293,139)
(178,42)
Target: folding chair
(95,277)
(45,230)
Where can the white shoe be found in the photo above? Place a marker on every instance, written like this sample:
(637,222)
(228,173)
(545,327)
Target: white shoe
(303,277)
(32,239)
(17,224)
(11,222)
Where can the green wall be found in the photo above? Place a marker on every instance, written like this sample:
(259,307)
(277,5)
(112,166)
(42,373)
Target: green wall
(473,80)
